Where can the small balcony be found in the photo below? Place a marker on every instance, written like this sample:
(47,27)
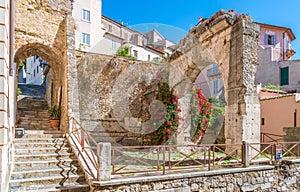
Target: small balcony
(289,53)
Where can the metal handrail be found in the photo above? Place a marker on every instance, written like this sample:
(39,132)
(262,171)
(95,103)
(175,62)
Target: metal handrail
(81,139)
(145,159)
(135,159)
(290,150)
(271,137)
(199,156)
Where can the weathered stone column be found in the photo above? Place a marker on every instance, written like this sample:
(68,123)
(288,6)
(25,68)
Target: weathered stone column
(104,161)
(72,81)
(243,109)
(184,128)
(182,86)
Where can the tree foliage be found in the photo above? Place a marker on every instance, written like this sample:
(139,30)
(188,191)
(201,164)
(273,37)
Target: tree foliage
(124,51)
(273,87)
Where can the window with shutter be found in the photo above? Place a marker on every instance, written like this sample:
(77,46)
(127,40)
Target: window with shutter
(284,76)
(271,39)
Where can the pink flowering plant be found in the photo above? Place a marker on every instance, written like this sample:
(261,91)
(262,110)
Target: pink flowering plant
(200,115)
(165,115)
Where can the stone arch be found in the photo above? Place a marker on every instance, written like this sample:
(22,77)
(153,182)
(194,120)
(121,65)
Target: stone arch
(46,52)
(46,28)
(231,41)
(54,62)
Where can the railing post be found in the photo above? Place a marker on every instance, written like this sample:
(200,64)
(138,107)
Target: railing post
(82,139)
(71,125)
(278,152)
(246,153)
(164,160)
(209,159)
(104,161)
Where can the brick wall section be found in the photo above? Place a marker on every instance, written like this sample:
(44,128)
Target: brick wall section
(263,178)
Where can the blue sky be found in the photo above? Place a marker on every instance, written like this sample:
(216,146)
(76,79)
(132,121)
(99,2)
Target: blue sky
(174,18)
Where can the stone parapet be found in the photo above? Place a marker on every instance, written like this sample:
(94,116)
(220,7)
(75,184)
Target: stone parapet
(254,178)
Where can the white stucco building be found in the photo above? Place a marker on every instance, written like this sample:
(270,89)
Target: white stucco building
(97,33)
(88,33)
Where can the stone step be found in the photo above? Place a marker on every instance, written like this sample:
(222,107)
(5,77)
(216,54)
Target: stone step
(26,118)
(33,124)
(45,171)
(45,139)
(33,118)
(67,179)
(46,163)
(74,187)
(33,110)
(19,151)
(36,127)
(43,134)
(42,156)
(41,144)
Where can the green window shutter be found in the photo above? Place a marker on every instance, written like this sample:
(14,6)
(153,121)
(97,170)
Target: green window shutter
(284,76)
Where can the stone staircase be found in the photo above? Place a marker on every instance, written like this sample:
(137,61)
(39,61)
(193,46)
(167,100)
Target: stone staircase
(44,161)
(33,114)
(37,91)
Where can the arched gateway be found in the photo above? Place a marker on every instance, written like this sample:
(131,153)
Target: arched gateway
(231,41)
(46,29)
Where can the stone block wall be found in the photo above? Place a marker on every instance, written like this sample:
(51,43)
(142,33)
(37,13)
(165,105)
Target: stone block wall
(114,97)
(229,40)
(260,178)
(292,134)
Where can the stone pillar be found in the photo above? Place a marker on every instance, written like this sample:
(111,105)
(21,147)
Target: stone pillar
(242,118)
(104,161)
(245,154)
(184,128)
(72,81)
(182,85)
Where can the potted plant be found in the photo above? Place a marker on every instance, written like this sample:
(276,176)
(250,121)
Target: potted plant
(55,113)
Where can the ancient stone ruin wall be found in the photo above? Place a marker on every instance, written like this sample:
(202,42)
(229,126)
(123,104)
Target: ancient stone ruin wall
(231,41)
(115,94)
(228,39)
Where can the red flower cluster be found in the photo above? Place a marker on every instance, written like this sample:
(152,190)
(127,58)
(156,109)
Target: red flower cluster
(201,114)
(169,117)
